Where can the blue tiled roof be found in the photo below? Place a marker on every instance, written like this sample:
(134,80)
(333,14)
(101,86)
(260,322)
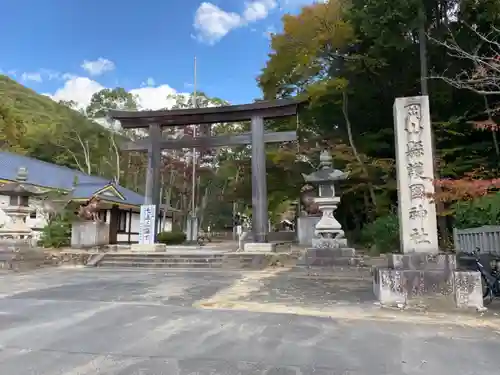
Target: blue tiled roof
(55,176)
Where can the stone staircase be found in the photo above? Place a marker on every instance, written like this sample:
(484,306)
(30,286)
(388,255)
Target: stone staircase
(161,260)
(188,260)
(345,273)
(326,257)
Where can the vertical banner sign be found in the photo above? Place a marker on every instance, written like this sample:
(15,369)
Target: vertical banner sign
(147,224)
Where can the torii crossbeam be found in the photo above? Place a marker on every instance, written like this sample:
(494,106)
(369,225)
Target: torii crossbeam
(255,112)
(210,142)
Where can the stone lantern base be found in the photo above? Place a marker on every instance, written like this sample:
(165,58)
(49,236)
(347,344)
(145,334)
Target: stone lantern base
(329,252)
(329,246)
(329,257)
(418,279)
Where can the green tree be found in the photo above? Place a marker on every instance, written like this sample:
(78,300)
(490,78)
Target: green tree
(368,53)
(12,130)
(106,99)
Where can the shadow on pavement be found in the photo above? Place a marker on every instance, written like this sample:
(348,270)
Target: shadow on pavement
(305,287)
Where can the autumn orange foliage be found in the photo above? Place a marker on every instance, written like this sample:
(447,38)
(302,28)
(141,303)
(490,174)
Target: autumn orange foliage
(474,184)
(467,188)
(486,125)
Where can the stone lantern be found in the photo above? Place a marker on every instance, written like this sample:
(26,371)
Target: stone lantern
(18,209)
(329,246)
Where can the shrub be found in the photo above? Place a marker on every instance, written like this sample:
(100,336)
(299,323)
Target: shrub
(57,233)
(382,235)
(171,238)
(478,212)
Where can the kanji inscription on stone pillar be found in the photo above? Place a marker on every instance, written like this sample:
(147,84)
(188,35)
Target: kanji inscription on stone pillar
(415,174)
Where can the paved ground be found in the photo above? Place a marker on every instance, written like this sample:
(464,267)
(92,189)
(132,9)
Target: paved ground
(120,322)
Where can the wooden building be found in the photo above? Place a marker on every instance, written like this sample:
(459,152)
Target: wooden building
(120,206)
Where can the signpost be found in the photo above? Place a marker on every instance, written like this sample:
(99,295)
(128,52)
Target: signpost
(147,224)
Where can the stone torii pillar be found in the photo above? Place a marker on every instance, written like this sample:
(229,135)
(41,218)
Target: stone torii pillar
(152,191)
(260,215)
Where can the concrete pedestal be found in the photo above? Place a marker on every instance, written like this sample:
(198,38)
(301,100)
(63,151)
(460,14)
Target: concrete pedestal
(192,228)
(265,247)
(329,243)
(87,234)
(148,248)
(424,278)
(328,257)
(306,225)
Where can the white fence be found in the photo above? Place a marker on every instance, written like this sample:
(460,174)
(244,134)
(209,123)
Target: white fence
(486,238)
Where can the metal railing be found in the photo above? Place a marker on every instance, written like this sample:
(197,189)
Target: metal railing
(486,238)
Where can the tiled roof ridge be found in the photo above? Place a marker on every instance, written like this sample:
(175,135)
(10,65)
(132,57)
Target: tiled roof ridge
(95,183)
(72,183)
(54,165)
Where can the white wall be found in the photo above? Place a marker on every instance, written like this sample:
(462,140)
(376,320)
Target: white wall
(136,218)
(135,225)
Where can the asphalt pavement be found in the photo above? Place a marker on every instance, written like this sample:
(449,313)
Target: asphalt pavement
(141,322)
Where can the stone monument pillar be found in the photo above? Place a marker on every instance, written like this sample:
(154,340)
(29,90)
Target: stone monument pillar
(329,246)
(420,271)
(415,176)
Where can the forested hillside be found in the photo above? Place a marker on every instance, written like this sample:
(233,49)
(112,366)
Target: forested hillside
(37,126)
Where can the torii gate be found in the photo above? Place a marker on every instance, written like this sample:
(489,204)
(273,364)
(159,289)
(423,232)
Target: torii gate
(257,138)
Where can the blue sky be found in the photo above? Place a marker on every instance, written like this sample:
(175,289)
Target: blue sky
(72,48)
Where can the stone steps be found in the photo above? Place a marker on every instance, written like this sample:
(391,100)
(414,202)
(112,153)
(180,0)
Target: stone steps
(355,261)
(186,260)
(334,272)
(339,261)
(160,261)
(137,264)
(324,257)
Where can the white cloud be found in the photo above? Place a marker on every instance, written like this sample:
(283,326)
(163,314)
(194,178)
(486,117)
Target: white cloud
(212,23)
(258,10)
(293,4)
(81,89)
(55,75)
(154,97)
(33,76)
(68,76)
(50,74)
(98,67)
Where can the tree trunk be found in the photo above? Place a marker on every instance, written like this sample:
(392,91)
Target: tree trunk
(345,111)
(493,131)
